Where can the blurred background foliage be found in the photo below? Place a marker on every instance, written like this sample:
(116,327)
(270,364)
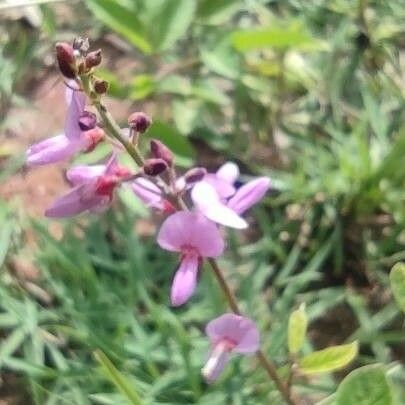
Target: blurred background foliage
(310,93)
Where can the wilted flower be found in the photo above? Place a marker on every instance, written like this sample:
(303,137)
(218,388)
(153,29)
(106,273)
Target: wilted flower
(64,146)
(93,189)
(228,334)
(194,237)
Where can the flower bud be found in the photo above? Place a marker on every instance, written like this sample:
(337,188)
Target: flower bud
(100,86)
(66,59)
(160,151)
(87,121)
(154,167)
(139,121)
(195,174)
(93,59)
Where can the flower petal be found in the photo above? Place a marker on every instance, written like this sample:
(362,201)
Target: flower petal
(84,174)
(238,329)
(78,200)
(229,172)
(185,280)
(208,203)
(74,111)
(249,194)
(216,362)
(52,150)
(148,192)
(190,229)
(222,187)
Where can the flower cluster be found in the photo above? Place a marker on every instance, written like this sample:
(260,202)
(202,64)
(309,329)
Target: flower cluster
(193,232)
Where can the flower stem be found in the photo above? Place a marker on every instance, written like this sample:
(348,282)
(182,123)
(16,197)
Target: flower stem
(115,131)
(266,363)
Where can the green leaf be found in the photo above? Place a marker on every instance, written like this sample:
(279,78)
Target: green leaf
(178,143)
(297,328)
(172,22)
(329,359)
(142,86)
(292,36)
(397,278)
(367,385)
(122,19)
(218,11)
(118,379)
(221,58)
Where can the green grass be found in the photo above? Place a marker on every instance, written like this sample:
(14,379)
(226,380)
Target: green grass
(308,92)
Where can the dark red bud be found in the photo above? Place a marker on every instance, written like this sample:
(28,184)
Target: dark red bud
(154,167)
(93,59)
(139,121)
(160,151)
(66,59)
(100,86)
(87,121)
(195,174)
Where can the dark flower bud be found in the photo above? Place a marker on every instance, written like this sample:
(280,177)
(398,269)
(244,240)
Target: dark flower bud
(93,59)
(65,56)
(154,167)
(160,151)
(195,174)
(87,121)
(100,86)
(139,121)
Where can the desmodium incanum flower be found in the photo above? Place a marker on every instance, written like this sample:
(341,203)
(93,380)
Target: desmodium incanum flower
(73,140)
(194,237)
(93,189)
(228,334)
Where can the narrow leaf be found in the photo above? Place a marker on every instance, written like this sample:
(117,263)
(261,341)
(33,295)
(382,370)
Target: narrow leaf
(118,379)
(397,278)
(330,359)
(297,328)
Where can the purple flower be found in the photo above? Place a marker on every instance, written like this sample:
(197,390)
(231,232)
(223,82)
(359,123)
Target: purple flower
(150,194)
(194,237)
(227,212)
(228,333)
(93,189)
(64,146)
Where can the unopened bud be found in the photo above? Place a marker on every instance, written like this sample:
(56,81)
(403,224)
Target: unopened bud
(100,86)
(160,151)
(65,56)
(87,121)
(195,174)
(139,121)
(93,59)
(154,167)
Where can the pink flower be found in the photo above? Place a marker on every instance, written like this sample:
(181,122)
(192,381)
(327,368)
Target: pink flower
(64,146)
(229,333)
(93,189)
(194,237)
(227,212)
(150,194)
